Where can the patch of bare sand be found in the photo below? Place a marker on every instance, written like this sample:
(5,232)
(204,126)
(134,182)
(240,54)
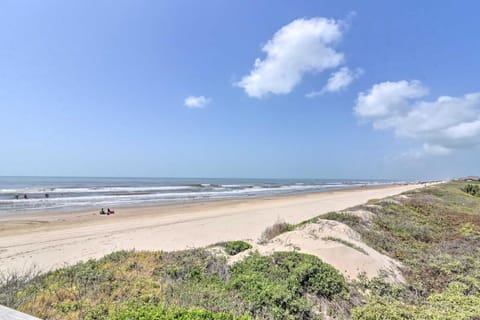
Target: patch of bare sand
(336,244)
(363,214)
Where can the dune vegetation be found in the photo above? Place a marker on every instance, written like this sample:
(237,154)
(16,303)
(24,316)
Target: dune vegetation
(434,232)
(193,284)
(233,247)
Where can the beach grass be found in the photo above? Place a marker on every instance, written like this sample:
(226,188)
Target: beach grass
(346,243)
(274,230)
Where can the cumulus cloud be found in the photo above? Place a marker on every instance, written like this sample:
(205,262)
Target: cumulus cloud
(300,47)
(338,80)
(441,125)
(196,102)
(386,98)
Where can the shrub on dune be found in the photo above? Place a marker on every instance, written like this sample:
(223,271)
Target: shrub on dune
(277,229)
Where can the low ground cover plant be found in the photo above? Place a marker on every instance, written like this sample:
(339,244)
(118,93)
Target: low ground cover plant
(434,232)
(191,284)
(235,247)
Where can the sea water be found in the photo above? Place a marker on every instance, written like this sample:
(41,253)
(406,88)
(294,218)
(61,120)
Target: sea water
(34,194)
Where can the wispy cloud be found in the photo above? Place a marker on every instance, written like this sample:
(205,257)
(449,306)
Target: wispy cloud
(338,80)
(441,125)
(300,47)
(196,102)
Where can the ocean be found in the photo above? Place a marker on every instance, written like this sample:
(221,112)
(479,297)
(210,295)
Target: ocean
(38,194)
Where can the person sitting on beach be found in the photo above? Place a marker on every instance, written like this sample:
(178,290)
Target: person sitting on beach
(102,211)
(109,212)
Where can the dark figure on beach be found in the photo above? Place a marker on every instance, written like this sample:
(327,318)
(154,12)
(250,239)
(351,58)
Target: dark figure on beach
(102,211)
(17,196)
(47,195)
(109,212)
(25,196)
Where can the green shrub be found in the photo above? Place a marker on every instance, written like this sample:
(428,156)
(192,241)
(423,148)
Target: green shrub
(235,247)
(190,284)
(383,309)
(472,189)
(147,312)
(379,286)
(277,284)
(451,304)
(195,264)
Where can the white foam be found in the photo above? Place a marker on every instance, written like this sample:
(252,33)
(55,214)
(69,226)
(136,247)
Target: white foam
(90,197)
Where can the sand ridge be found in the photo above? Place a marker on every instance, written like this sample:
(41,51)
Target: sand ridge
(334,243)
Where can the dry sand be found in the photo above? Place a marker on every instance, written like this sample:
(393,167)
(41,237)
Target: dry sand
(336,244)
(53,240)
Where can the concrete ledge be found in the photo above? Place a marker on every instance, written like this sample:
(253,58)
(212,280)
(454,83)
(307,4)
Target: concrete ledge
(10,314)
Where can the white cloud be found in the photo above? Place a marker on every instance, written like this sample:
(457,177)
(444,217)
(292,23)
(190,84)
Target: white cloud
(425,151)
(302,46)
(435,149)
(338,81)
(388,97)
(196,102)
(442,125)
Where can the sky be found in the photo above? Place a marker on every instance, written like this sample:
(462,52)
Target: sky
(252,89)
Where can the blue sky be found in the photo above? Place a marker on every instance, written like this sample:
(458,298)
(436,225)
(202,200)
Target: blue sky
(100,88)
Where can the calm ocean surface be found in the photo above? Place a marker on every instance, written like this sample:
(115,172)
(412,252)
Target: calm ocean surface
(33,194)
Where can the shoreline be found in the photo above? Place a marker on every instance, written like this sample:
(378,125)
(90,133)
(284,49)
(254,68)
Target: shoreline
(179,201)
(28,214)
(51,240)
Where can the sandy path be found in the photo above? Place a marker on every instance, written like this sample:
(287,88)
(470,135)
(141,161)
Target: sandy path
(53,240)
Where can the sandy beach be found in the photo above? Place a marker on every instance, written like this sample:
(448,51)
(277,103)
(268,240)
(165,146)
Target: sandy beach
(51,240)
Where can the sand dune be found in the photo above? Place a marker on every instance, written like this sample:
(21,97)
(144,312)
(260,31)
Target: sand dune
(334,243)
